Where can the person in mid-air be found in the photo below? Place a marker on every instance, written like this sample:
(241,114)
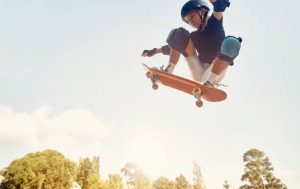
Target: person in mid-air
(207,51)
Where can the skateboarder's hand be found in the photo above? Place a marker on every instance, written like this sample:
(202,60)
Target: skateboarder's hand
(149,53)
(220,5)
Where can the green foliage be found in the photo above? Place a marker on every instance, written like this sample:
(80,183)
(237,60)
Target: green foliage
(163,183)
(88,176)
(259,172)
(182,183)
(135,177)
(49,169)
(114,182)
(2,172)
(92,182)
(41,170)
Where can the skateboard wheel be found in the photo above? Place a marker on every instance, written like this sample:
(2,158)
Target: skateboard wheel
(148,74)
(154,86)
(196,92)
(199,103)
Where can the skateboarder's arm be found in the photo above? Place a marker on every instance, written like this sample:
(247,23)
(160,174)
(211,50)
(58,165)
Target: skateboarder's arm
(219,7)
(164,50)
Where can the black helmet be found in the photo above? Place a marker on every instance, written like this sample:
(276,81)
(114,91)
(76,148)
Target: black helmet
(192,5)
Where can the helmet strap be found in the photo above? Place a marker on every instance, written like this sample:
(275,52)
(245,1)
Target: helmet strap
(203,20)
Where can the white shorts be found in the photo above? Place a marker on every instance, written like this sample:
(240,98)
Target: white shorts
(201,71)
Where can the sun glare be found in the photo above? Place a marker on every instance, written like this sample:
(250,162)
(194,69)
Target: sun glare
(147,152)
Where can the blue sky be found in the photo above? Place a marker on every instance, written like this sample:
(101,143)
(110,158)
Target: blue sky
(71,79)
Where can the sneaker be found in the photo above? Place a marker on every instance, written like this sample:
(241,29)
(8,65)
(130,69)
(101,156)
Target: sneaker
(209,84)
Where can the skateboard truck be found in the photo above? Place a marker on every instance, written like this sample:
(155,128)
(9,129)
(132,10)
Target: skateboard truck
(197,94)
(154,79)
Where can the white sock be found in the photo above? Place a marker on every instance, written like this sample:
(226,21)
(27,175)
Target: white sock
(212,77)
(171,67)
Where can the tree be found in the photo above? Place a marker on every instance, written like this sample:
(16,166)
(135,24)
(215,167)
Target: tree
(198,181)
(2,171)
(41,170)
(226,185)
(135,177)
(182,183)
(259,172)
(163,183)
(96,165)
(88,176)
(114,182)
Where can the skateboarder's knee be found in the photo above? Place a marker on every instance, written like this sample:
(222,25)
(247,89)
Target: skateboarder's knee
(178,39)
(230,49)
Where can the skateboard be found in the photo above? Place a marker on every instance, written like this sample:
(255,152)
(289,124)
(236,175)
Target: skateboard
(185,85)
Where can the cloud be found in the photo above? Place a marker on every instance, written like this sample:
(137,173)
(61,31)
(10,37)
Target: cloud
(74,132)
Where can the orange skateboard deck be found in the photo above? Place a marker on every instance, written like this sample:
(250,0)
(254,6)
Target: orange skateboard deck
(191,87)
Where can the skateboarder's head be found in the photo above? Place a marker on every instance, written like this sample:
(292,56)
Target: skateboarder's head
(194,12)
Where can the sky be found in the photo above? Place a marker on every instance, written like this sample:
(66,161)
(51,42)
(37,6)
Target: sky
(71,79)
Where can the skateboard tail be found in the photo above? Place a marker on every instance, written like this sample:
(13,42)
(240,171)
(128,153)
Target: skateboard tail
(216,96)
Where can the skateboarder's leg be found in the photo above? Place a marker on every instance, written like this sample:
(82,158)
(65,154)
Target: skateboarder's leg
(221,76)
(196,68)
(174,56)
(229,50)
(179,40)
(216,68)
(173,59)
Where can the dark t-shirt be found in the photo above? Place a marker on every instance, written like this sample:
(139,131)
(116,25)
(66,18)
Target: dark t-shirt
(208,42)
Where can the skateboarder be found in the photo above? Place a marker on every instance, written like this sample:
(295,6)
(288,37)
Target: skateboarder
(207,51)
